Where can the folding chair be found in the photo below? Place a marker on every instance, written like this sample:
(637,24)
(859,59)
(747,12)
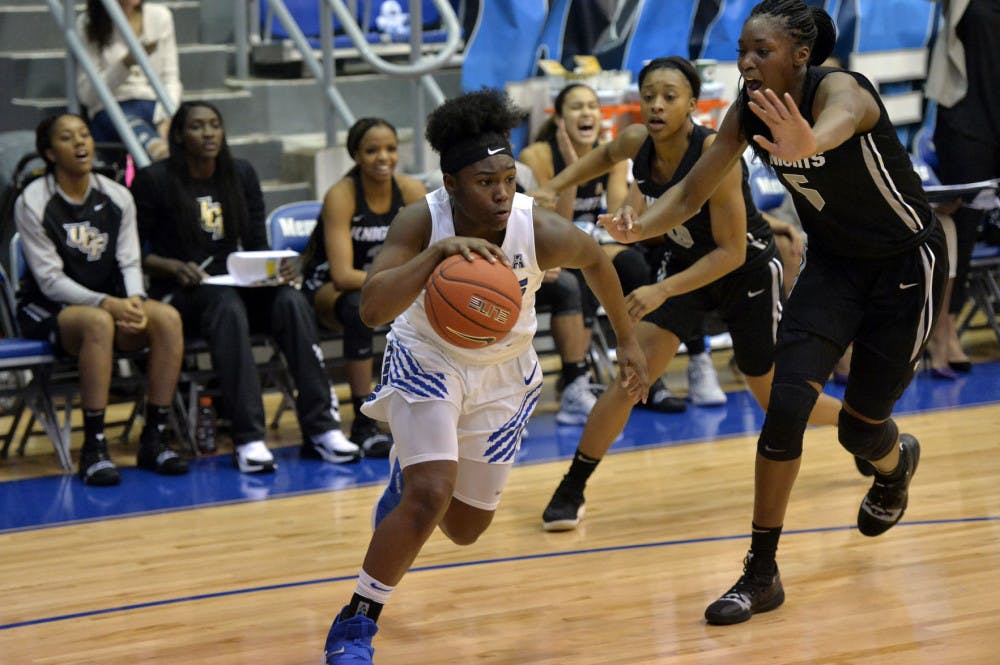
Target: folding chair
(289,226)
(984,266)
(29,364)
(61,381)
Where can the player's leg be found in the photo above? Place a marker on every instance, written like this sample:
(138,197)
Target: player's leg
(88,334)
(478,489)
(885,355)
(606,421)
(816,326)
(422,482)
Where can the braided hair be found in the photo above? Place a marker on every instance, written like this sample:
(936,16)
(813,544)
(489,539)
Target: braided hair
(804,26)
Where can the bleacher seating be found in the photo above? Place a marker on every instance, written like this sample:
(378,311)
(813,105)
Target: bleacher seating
(373,16)
(887,41)
(663,28)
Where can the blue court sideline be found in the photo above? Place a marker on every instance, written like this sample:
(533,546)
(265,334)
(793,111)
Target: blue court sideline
(53,500)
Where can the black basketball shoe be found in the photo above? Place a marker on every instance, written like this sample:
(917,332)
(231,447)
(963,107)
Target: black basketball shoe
(565,510)
(886,501)
(96,467)
(758,590)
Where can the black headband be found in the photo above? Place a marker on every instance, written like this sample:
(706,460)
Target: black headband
(456,157)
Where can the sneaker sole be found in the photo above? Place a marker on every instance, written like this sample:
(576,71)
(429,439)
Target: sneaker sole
(662,408)
(565,525)
(102,480)
(256,467)
(772,604)
(312,452)
(709,403)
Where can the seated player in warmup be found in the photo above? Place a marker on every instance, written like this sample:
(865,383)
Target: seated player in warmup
(349,233)
(195,208)
(83,292)
(457,414)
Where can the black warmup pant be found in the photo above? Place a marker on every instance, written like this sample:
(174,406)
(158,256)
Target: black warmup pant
(226,317)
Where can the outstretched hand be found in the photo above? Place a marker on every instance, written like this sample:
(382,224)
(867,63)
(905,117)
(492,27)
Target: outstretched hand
(793,137)
(545,197)
(621,225)
(644,300)
(632,369)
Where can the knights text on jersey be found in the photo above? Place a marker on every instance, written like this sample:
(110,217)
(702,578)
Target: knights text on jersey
(862,199)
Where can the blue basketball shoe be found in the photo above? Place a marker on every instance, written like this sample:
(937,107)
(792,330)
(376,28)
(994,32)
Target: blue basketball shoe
(350,640)
(393,492)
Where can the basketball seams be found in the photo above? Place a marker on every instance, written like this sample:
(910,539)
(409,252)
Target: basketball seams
(464,300)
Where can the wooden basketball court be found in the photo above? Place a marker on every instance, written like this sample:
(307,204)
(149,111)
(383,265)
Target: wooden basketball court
(259,581)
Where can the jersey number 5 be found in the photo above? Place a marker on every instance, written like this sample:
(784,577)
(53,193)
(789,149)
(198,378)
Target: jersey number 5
(798,182)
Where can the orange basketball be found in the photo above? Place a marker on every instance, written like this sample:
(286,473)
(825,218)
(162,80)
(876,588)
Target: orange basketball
(472,304)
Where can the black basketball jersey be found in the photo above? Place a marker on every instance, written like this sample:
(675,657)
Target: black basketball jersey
(862,199)
(368,232)
(693,239)
(589,201)
(85,235)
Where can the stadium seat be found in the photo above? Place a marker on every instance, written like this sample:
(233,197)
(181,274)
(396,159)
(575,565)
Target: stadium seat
(289,226)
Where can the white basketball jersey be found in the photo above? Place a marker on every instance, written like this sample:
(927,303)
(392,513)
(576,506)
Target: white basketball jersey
(412,325)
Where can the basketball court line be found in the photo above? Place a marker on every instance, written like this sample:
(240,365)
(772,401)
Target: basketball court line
(467,564)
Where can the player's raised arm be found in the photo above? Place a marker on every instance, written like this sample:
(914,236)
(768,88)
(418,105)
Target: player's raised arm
(687,197)
(560,244)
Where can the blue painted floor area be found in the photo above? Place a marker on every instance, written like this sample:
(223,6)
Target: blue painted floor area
(54,500)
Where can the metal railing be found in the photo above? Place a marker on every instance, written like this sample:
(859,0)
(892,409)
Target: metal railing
(65,17)
(419,68)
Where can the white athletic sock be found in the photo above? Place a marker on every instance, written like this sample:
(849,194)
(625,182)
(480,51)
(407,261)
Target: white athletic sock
(369,587)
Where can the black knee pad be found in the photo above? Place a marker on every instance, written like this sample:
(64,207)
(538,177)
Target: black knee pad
(869,441)
(785,424)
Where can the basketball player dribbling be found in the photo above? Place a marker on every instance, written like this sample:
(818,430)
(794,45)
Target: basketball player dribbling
(457,415)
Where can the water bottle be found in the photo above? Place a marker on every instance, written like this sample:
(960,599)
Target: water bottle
(204,433)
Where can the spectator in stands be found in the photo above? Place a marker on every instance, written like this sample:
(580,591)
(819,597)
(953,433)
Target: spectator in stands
(195,208)
(352,226)
(963,81)
(724,258)
(83,292)
(153,24)
(570,135)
